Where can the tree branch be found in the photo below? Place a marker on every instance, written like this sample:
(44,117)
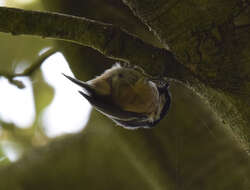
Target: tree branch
(29,71)
(111,41)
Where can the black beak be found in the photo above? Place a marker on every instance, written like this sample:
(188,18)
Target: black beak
(90,90)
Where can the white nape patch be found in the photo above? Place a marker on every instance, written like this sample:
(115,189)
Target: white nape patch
(116,65)
(17,105)
(69,111)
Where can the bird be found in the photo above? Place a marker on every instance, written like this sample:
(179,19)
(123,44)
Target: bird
(127,96)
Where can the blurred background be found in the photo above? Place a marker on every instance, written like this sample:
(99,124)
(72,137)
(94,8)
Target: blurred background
(182,151)
(42,110)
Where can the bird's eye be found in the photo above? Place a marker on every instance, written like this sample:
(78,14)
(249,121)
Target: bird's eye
(120,75)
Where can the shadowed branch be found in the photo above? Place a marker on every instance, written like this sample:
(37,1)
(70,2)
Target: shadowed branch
(111,41)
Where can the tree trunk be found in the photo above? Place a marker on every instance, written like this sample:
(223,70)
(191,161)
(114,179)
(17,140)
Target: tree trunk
(212,39)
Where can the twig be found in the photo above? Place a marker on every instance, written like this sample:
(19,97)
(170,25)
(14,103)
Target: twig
(29,71)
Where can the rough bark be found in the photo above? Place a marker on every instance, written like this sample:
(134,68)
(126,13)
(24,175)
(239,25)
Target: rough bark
(212,39)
